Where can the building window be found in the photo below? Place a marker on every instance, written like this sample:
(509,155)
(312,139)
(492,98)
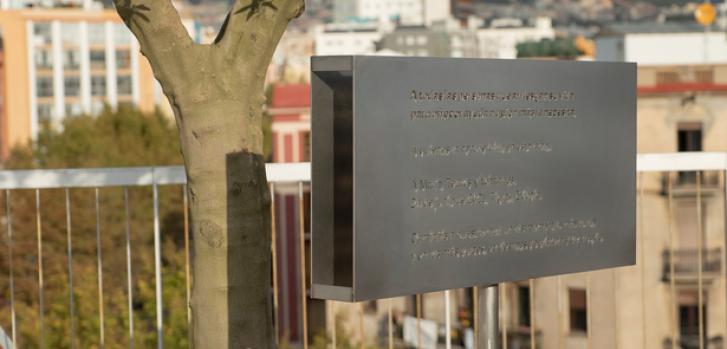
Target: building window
(96,33)
(72,86)
(98,85)
(98,59)
(97,107)
(123,84)
(43,59)
(122,36)
(71,60)
(689,315)
(689,138)
(704,76)
(73,109)
(123,59)
(306,147)
(667,77)
(578,311)
(44,87)
(44,112)
(523,302)
(42,31)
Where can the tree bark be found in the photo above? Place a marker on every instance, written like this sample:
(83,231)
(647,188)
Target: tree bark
(216,92)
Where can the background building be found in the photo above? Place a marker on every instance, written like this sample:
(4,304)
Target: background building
(500,39)
(405,12)
(348,38)
(661,44)
(67,62)
(20,4)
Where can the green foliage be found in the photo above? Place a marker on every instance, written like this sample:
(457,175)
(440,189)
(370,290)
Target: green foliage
(558,48)
(113,139)
(343,338)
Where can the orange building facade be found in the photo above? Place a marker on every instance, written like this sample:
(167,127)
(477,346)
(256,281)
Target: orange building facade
(58,63)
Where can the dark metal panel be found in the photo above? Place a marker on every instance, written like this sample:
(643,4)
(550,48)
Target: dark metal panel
(472,172)
(333,196)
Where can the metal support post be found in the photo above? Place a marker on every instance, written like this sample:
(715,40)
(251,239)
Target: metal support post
(489,323)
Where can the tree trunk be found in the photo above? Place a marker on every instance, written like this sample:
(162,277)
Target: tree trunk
(216,92)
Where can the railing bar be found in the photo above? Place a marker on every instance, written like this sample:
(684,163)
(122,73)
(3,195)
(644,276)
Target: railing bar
(503,318)
(724,243)
(391,325)
(532,313)
(303,283)
(129,271)
(41,285)
(559,301)
(672,282)
(419,320)
(130,176)
(640,242)
(13,318)
(447,321)
(700,242)
(71,296)
(589,313)
(475,319)
(158,269)
(99,270)
(616,312)
(334,333)
(274,250)
(187,272)
(362,343)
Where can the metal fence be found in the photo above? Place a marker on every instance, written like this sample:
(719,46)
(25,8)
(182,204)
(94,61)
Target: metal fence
(544,313)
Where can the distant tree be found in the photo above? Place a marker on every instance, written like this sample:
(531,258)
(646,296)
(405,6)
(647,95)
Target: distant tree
(123,138)
(556,48)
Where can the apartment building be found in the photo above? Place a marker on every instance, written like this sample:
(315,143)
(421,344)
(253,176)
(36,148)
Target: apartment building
(64,62)
(348,38)
(405,12)
(20,4)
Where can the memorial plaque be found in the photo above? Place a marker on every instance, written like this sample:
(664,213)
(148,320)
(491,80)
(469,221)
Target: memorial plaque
(433,174)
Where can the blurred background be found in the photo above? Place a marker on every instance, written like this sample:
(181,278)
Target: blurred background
(83,264)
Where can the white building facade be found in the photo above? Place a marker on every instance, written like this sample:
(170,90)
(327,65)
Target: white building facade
(348,39)
(19,4)
(406,12)
(662,44)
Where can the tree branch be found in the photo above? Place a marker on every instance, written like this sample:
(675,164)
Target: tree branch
(162,37)
(253,29)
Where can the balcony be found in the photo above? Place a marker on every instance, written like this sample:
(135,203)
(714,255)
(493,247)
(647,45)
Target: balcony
(686,265)
(692,342)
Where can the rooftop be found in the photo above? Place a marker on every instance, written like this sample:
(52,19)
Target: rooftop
(291,96)
(652,28)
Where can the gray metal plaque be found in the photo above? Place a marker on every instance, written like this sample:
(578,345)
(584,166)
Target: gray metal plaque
(433,174)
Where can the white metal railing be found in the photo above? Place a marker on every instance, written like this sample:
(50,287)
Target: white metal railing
(102,178)
(129,176)
(282,174)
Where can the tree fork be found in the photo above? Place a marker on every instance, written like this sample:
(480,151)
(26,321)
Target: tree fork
(216,92)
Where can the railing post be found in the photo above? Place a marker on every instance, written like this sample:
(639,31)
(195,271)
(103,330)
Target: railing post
(158,266)
(489,323)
